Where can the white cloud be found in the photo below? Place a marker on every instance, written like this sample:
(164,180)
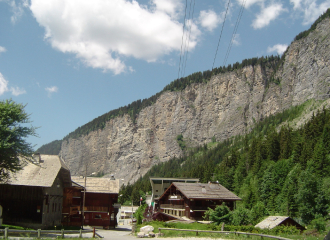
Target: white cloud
(249,3)
(2,49)
(17,9)
(279,48)
(17,91)
(101,33)
(3,85)
(237,40)
(209,19)
(296,4)
(171,7)
(310,9)
(267,15)
(51,90)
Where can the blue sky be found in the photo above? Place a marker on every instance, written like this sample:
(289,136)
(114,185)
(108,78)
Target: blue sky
(72,61)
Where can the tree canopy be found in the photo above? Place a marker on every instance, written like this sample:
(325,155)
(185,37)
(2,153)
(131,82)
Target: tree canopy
(13,134)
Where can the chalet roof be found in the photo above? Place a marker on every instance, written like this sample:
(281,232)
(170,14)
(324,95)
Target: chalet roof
(98,185)
(41,173)
(205,191)
(271,222)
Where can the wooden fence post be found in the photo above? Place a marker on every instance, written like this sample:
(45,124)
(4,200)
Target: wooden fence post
(38,236)
(62,233)
(6,233)
(93,232)
(80,233)
(196,233)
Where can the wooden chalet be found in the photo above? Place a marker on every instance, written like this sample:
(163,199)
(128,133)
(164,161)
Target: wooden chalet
(33,196)
(191,200)
(100,202)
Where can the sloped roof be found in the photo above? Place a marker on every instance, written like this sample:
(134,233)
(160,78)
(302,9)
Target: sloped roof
(98,185)
(271,222)
(41,174)
(205,191)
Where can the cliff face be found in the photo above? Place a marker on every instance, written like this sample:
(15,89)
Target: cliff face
(227,105)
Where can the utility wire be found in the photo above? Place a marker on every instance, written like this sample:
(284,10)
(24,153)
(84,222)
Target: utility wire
(183,30)
(188,39)
(223,24)
(234,32)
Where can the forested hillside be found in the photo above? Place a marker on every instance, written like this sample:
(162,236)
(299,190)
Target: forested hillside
(285,170)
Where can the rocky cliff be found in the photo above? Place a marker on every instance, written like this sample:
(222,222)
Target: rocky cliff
(227,105)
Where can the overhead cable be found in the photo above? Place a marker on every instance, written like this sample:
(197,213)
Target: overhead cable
(188,38)
(234,32)
(183,30)
(223,24)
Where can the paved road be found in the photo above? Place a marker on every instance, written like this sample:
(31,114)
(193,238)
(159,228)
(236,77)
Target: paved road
(119,233)
(124,233)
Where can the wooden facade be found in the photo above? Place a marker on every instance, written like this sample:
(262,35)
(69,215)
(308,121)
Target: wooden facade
(100,204)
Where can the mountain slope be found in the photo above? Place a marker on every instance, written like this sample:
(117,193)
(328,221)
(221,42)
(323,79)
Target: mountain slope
(226,105)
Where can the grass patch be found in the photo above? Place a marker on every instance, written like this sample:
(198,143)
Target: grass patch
(14,227)
(286,232)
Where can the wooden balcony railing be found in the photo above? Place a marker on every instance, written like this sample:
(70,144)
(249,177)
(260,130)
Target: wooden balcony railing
(172,206)
(77,209)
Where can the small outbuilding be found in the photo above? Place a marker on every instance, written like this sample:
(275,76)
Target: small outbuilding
(274,221)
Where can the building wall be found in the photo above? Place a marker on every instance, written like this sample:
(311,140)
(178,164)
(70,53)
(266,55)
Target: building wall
(21,204)
(52,204)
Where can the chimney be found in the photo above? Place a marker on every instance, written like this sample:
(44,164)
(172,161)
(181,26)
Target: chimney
(37,158)
(112,177)
(203,189)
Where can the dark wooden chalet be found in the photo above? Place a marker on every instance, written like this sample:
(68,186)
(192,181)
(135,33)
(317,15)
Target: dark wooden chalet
(100,202)
(33,196)
(191,200)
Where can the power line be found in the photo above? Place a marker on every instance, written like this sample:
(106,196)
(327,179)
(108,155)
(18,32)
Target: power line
(183,28)
(188,39)
(223,24)
(234,32)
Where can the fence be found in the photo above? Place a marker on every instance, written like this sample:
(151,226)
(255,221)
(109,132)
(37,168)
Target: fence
(40,232)
(225,232)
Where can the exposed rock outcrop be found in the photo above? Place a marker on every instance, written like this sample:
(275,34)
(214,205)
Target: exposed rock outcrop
(229,104)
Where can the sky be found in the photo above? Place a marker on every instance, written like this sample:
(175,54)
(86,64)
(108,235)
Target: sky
(70,61)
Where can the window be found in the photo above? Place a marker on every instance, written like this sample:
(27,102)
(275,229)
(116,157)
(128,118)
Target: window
(97,216)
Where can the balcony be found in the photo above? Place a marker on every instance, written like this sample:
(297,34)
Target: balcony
(172,206)
(198,208)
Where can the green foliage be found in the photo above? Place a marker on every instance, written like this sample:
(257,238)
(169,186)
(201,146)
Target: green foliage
(219,215)
(258,212)
(214,139)
(13,132)
(181,142)
(319,223)
(241,216)
(276,171)
(139,213)
(52,148)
